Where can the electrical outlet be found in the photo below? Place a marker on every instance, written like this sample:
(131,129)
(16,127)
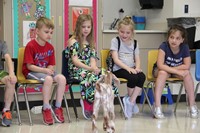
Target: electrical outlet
(186,8)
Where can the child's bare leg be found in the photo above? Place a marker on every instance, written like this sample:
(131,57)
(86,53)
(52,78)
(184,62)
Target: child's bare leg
(159,85)
(9,92)
(136,91)
(61,81)
(189,86)
(46,90)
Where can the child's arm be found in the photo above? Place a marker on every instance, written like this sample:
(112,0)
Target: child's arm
(121,64)
(173,70)
(35,68)
(93,64)
(137,63)
(75,58)
(9,64)
(186,64)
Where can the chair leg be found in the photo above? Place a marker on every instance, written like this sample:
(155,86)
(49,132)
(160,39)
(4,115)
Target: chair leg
(27,105)
(196,90)
(17,107)
(72,98)
(146,96)
(178,98)
(122,107)
(67,108)
(149,103)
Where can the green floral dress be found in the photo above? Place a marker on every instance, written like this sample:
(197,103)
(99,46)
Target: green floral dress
(87,78)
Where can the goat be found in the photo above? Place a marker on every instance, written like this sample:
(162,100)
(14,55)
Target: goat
(104,96)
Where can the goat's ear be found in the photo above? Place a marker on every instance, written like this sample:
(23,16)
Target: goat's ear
(98,87)
(116,80)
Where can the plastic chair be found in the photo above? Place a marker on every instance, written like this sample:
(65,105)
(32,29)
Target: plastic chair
(197,71)
(152,58)
(24,83)
(166,93)
(104,54)
(70,81)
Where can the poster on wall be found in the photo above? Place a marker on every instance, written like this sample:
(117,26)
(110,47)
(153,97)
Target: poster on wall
(76,11)
(28,31)
(72,9)
(24,13)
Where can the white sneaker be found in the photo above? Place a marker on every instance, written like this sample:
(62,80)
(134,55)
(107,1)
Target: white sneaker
(158,113)
(135,109)
(36,109)
(194,112)
(128,107)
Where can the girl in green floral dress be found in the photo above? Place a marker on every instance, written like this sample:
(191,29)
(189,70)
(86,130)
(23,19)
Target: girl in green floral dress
(83,62)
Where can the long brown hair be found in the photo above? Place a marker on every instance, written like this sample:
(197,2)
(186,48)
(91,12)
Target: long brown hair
(175,28)
(78,34)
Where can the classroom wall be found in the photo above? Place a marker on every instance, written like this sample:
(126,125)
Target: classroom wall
(156,18)
(1,18)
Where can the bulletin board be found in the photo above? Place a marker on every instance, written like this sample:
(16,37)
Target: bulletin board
(25,14)
(71,12)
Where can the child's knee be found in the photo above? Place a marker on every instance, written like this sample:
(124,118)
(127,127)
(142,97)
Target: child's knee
(61,78)
(48,79)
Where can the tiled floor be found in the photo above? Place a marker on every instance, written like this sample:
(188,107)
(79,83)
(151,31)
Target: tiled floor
(140,123)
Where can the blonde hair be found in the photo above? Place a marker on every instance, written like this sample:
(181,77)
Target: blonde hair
(44,21)
(126,21)
(77,32)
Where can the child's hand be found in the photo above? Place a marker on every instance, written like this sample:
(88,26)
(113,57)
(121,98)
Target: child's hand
(95,70)
(138,70)
(131,70)
(49,71)
(183,73)
(12,79)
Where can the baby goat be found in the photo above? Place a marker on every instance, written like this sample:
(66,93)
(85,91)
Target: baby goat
(104,96)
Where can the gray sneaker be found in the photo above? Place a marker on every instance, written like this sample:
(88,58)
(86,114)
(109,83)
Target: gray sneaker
(128,107)
(135,109)
(158,113)
(194,112)
(6,118)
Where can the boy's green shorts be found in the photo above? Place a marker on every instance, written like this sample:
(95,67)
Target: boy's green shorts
(3,74)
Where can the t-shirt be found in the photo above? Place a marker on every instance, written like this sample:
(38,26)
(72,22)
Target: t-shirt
(41,56)
(171,59)
(125,53)
(3,51)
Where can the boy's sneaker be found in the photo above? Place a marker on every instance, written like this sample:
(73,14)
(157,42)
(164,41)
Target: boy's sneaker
(86,113)
(47,117)
(128,107)
(6,118)
(158,113)
(194,112)
(58,114)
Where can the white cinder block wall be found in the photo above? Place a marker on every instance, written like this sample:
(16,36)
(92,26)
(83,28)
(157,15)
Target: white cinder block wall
(156,19)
